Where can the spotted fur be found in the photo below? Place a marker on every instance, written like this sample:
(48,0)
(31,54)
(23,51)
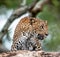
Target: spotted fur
(28,34)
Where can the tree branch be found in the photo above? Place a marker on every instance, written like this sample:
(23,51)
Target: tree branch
(26,53)
(14,15)
(38,7)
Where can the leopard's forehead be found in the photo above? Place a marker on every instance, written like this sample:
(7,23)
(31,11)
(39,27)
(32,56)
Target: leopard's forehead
(33,20)
(28,22)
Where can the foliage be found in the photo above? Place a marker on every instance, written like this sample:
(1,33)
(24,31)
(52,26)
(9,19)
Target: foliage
(10,3)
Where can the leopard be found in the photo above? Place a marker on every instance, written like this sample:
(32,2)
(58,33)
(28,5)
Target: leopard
(28,34)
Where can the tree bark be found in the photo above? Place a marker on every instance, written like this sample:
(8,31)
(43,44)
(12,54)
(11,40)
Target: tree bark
(26,53)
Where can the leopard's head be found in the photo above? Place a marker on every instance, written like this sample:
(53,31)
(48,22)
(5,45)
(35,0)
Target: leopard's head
(39,27)
(36,26)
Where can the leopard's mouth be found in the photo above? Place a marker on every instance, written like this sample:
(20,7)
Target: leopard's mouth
(40,36)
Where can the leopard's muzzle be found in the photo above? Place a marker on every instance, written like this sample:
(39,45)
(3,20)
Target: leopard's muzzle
(41,37)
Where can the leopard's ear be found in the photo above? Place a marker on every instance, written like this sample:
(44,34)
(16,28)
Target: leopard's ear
(32,21)
(45,21)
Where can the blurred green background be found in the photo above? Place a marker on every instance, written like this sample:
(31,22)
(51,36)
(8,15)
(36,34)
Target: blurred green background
(51,13)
